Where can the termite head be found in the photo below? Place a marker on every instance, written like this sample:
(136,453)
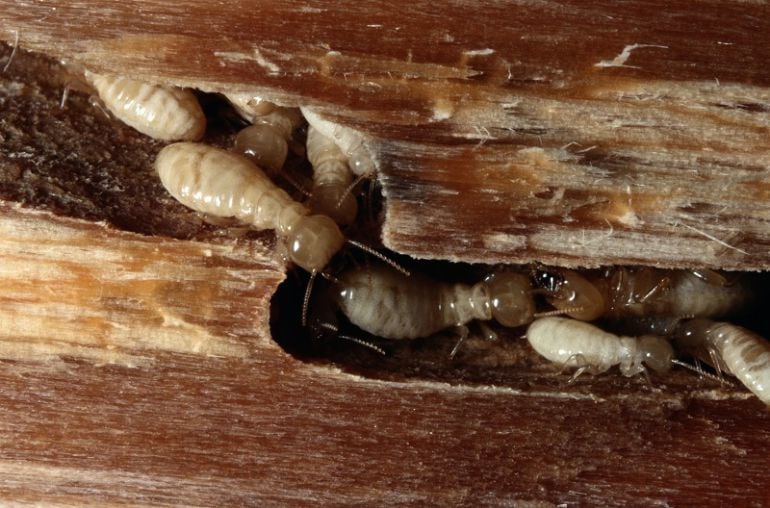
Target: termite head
(510,298)
(335,201)
(692,332)
(313,241)
(652,351)
(655,352)
(263,145)
(547,280)
(572,293)
(361,163)
(691,337)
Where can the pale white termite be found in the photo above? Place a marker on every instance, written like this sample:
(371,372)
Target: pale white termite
(224,184)
(642,291)
(161,112)
(731,349)
(332,179)
(574,343)
(388,304)
(352,142)
(265,141)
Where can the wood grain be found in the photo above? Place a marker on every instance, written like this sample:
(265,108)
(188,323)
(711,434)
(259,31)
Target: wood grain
(609,133)
(581,135)
(75,289)
(272,430)
(87,425)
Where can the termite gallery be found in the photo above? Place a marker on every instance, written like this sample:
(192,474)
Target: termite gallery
(388,305)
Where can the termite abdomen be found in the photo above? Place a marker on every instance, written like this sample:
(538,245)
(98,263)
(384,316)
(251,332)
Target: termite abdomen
(332,179)
(731,349)
(161,112)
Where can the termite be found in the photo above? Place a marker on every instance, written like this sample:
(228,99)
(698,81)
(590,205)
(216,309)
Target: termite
(220,183)
(223,184)
(731,349)
(266,141)
(574,343)
(162,112)
(332,179)
(385,303)
(351,142)
(642,291)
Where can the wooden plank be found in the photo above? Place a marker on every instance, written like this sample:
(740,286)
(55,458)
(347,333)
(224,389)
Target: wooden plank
(586,135)
(113,417)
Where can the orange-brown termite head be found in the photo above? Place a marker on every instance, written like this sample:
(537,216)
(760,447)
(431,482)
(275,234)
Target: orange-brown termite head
(571,293)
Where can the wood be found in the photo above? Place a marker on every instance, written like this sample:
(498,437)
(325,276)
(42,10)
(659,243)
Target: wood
(78,290)
(609,133)
(109,418)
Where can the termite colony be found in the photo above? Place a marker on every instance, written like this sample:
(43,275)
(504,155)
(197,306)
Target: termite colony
(656,313)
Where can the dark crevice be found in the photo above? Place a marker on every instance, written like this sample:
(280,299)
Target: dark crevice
(508,362)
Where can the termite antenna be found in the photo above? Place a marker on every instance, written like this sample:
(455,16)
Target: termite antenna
(294,183)
(306,300)
(383,257)
(329,327)
(350,188)
(463,332)
(13,51)
(360,342)
(64,96)
(699,370)
(558,312)
(364,343)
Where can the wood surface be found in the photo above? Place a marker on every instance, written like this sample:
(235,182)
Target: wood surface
(114,414)
(572,133)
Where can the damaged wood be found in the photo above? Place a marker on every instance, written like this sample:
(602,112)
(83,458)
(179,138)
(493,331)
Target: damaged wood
(111,416)
(78,290)
(577,135)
